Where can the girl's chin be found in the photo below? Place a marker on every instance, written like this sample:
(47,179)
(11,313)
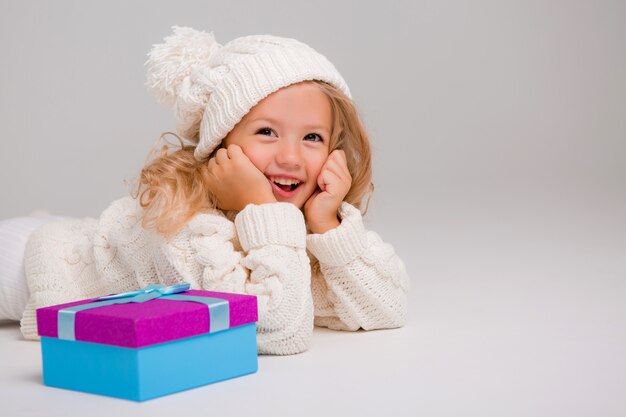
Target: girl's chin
(294,201)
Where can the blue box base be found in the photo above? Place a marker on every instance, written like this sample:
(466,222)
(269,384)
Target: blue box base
(151,371)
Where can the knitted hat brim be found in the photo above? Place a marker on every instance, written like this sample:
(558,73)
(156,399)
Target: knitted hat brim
(249,82)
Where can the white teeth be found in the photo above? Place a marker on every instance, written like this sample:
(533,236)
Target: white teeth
(284,181)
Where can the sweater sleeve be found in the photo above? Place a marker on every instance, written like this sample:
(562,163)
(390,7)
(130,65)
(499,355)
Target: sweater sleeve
(361,282)
(272,265)
(273,236)
(74,259)
(203,255)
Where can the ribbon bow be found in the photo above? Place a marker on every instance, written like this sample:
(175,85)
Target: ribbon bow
(219,310)
(147,293)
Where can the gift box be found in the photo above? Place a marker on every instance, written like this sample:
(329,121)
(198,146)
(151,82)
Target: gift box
(148,343)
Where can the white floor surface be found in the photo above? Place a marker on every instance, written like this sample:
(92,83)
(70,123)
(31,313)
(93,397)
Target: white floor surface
(518,314)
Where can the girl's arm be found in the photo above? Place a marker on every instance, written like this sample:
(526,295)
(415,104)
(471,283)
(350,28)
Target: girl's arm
(273,238)
(362,282)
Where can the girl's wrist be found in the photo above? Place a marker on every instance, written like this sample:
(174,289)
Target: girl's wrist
(264,199)
(323,227)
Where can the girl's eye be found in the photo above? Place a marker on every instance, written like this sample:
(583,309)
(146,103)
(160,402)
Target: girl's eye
(265,131)
(314,137)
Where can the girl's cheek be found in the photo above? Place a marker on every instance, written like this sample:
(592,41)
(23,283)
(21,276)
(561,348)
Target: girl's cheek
(320,163)
(257,156)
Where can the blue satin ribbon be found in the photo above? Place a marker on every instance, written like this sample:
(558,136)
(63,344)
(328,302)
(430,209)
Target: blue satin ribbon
(219,311)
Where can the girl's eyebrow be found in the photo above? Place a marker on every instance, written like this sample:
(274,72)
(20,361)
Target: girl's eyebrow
(276,122)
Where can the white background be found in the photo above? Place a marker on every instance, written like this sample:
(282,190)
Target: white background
(499,130)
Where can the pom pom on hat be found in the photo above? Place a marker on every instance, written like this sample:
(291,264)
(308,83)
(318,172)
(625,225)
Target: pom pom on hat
(213,86)
(179,74)
(171,62)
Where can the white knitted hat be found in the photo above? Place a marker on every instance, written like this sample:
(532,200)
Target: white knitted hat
(213,86)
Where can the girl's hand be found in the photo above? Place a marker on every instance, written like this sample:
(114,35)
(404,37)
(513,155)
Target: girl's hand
(236,182)
(334,183)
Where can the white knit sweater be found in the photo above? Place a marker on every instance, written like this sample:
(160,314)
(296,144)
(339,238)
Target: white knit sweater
(360,283)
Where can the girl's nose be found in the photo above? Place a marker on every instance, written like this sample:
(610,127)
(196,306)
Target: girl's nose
(289,153)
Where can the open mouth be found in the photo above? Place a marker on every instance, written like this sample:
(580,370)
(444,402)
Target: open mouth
(290,187)
(285,186)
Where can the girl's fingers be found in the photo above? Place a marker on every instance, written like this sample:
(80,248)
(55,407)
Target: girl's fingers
(338,170)
(212,164)
(327,179)
(339,156)
(333,166)
(234,151)
(221,156)
(320,180)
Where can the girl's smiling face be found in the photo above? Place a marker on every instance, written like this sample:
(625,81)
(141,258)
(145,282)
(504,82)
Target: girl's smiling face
(286,136)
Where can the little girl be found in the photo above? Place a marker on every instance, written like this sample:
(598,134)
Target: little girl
(263,199)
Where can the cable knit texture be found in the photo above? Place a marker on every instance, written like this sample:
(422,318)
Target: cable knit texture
(212,86)
(261,250)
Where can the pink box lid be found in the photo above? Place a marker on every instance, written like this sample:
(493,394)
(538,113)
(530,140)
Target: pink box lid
(136,325)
